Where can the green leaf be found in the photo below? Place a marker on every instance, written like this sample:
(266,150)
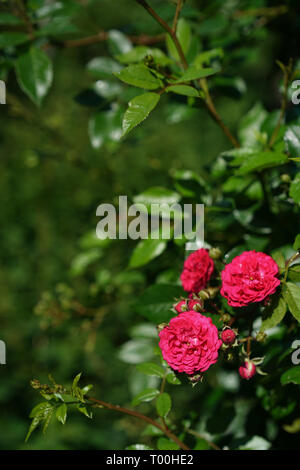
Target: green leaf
(296,244)
(138,110)
(292,140)
(294,273)
(84,411)
(41,410)
(261,161)
(146,395)
(150,368)
(291,293)
(291,376)
(173,379)
(145,251)
(166,444)
(163,404)
(279,260)
(10,39)
(105,127)
(194,73)
(138,54)
(40,413)
(9,19)
(103,67)
(151,430)
(184,90)
(295,188)
(205,58)
(76,380)
(249,130)
(34,74)
(140,76)
(61,413)
(183,34)
(34,424)
(156,302)
(274,314)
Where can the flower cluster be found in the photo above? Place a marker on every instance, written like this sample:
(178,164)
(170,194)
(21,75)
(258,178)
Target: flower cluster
(191,342)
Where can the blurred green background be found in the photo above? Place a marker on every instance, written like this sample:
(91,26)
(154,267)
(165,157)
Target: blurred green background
(51,182)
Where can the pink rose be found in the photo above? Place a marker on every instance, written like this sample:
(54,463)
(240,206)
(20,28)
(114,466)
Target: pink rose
(190,342)
(197,270)
(250,277)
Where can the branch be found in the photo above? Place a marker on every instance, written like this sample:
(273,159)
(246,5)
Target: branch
(208,100)
(140,416)
(143,39)
(267,11)
(177,14)
(214,113)
(287,72)
(167,28)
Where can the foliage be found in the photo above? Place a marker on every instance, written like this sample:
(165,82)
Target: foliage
(250,189)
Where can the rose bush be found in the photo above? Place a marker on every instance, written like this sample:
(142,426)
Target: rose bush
(246,275)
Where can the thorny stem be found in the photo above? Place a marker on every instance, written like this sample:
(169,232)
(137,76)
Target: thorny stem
(136,414)
(208,100)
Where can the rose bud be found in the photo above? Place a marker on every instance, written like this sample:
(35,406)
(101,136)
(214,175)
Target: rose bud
(228,336)
(195,304)
(180,306)
(247,370)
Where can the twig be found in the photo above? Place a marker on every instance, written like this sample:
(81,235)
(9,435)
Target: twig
(267,11)
(140,416)
(287,71)
(177,14)
(143,39)
(167,28)
(208,100)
